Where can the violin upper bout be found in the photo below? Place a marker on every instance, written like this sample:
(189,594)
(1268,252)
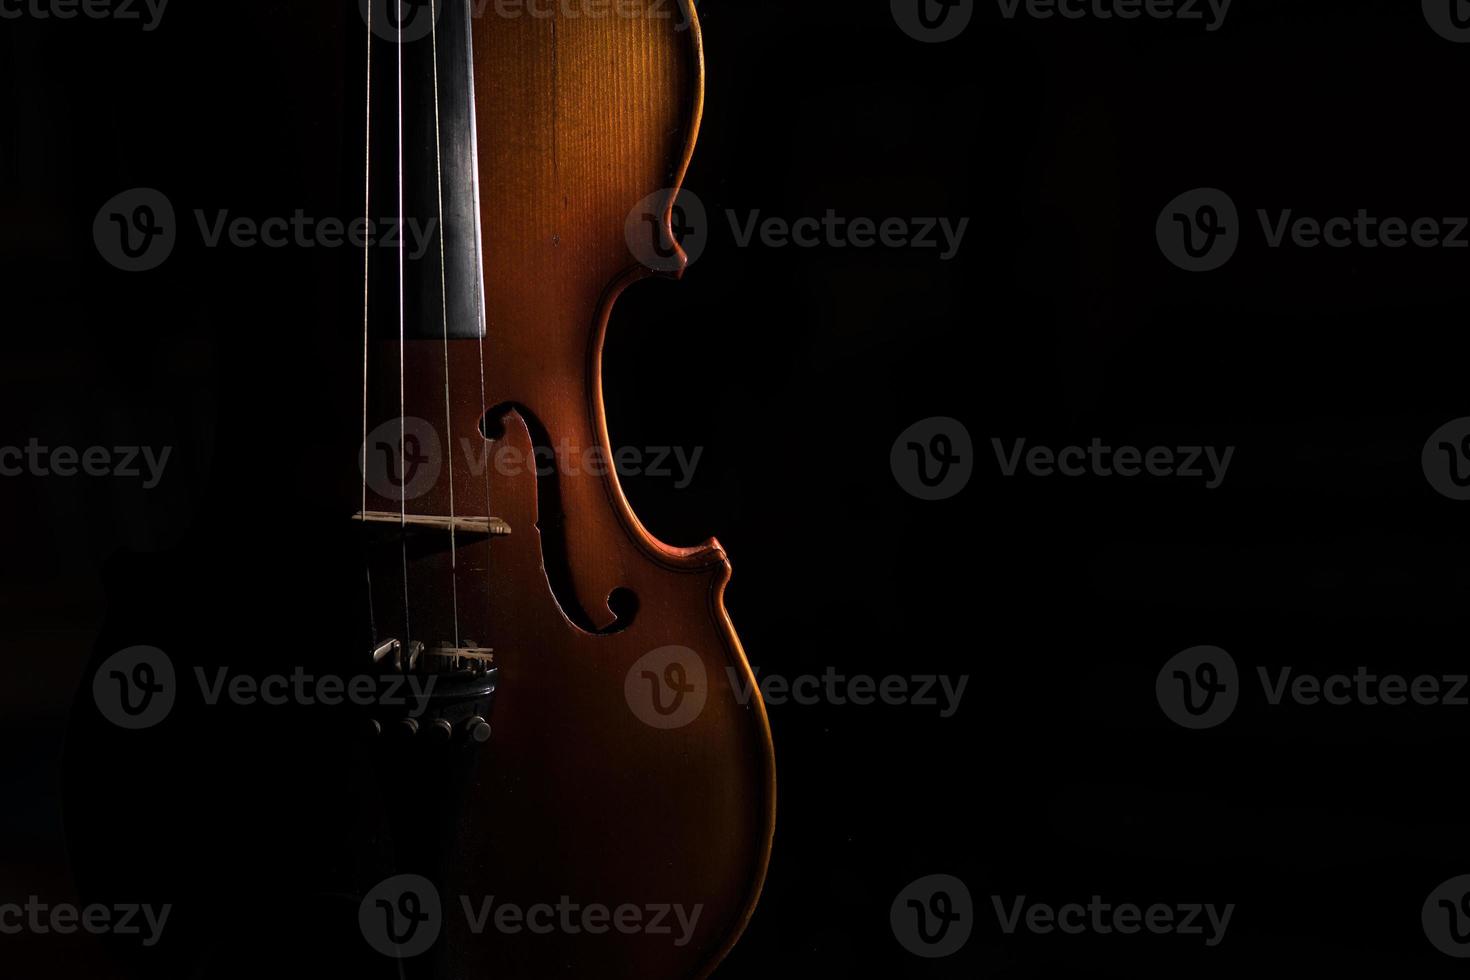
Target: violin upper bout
(585,130)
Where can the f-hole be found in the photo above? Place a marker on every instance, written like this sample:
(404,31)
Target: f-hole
(551,523)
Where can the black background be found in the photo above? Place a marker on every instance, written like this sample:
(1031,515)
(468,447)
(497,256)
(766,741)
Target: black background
(1059,321)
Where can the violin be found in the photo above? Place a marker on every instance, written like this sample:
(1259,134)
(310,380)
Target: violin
(592,739)
(581,780)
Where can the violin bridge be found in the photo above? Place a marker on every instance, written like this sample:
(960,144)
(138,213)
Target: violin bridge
(408,657)
(491,527)
(466,657)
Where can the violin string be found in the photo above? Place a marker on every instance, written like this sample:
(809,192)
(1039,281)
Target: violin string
(367,206)
(477,279)
(402,322)
(444,309)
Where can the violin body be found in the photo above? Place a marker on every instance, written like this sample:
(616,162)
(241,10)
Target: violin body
(595,739)
(581,792)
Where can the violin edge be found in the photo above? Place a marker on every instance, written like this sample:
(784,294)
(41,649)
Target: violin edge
(710,555)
